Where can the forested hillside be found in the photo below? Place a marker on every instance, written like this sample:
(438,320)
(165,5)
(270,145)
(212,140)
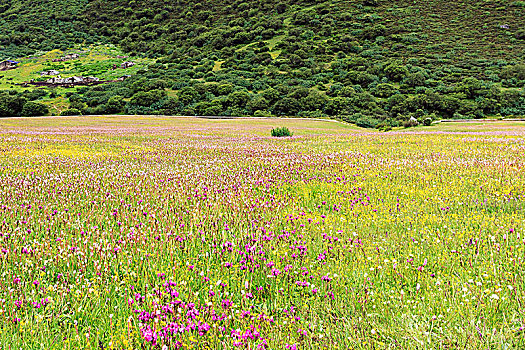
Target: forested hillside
(371,62)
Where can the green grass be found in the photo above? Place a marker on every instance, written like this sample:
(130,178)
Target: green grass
(335,238)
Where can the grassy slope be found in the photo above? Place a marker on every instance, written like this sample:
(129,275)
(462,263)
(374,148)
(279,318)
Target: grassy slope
(94,60)
(433,29)
(462,29)
(30,27)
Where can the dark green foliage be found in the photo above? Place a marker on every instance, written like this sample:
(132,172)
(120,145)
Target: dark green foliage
(44,25)
(34,109)
(396,71)
(11,105)
(281,132)
(147,98)
(365,121)
(115,104)
(71,112)
(15,104)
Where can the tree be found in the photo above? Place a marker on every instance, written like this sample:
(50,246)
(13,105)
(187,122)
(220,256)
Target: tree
(271,95)
(287,106)
(70,112)
(384,90)
(313,101)
(115,104)
(34,109)
(147,98)
(470,87)
(188,95)
(415,79)
(338,106)
(395,71)
(258,103)
(11,106)
(238,99)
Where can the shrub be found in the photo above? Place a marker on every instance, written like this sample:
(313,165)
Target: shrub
(384,90)
(115,104)
(427,121)
(71,111)
(395,71)
(261,113)
(146,99)
(281,132)
(34,109)
(365,121)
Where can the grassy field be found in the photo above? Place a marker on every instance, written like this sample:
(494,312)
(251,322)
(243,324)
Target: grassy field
(166,233)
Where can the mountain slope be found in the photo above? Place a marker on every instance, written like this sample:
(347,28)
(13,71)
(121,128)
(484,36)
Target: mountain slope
(378,61)
(470,28)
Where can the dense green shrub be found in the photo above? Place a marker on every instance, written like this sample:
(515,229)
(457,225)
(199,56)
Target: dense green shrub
(34,109)
(70,112)
(365,121)
(11,105)
(281,132)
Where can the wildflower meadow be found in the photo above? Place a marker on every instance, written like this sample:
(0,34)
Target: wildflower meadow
(178,233)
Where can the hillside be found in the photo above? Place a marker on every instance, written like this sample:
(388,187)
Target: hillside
(371,62)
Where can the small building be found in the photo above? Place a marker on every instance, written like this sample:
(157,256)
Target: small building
(127,64)
(71,56)
(90,79)
(8,64)
(55,80)
(70,81)
(73,80)
(50,72)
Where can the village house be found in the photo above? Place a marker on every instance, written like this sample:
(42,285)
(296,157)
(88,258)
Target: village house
(50,72)
(90,79)
(55,80)
(9,64)
(127,64)
(71,56)
(72,80)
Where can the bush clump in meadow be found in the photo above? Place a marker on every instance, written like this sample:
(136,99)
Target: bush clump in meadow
(71,112)
(34,109)
(281,132)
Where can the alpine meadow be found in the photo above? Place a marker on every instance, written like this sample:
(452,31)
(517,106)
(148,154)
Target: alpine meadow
(259,175)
